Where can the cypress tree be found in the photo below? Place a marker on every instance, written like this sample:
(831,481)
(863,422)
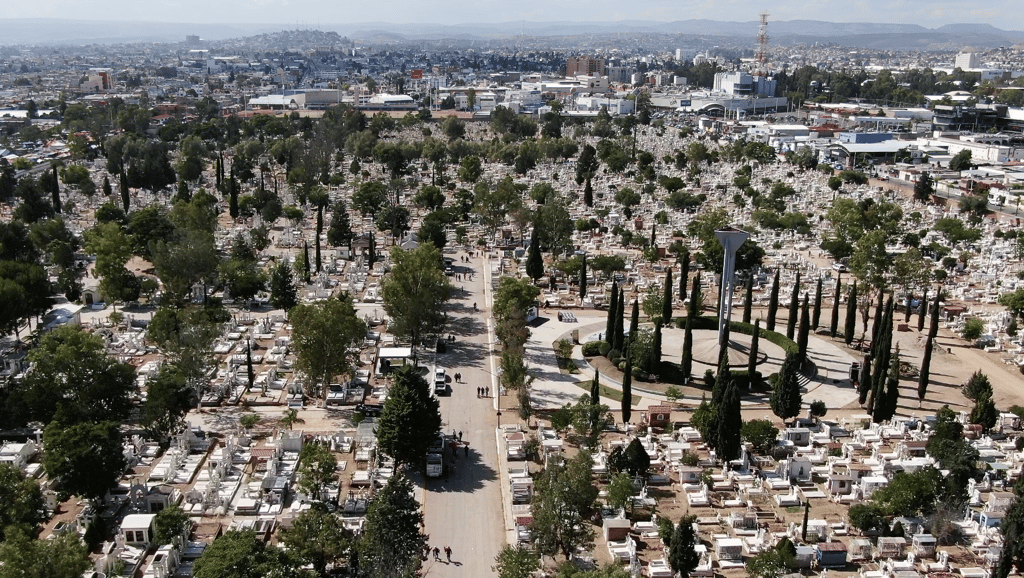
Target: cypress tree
(125,199)
(864,385)
(752,360)
(691,309)
(534,260)
(730,419)
(654,229)
(816,317)
(634,320)
(684,272)
(595,389)
(878,316)
(922,311)
(723,351)
(910,299)
(305,262)
(107,189)
(666,304)
(371,255)
(613,307)
(786,399)
(794,308)
(233,194)
(773,304)
(851,315)
(882,352)
(892,386)
(627,390)
(318,261)
(933,329)
(588,194)
(686,363)
(748,299)
(807,514)
(926,363)
(248,364)
(836,298)
(619,342)
(802,334)
(583,278)
(55,190)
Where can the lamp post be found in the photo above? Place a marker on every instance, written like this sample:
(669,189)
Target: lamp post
(731,240)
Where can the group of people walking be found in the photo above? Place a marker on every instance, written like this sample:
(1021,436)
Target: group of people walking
(483,392)
(447,552)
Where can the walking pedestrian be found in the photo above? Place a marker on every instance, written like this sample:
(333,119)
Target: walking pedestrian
(466,448)
(448,552)
(460,435)
(437,553)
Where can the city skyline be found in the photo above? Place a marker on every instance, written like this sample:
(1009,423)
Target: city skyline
(318,14)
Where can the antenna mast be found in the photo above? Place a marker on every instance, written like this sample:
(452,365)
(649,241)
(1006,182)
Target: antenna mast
(762,46)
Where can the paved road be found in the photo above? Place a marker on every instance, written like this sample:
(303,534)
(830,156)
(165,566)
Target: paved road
(464,511)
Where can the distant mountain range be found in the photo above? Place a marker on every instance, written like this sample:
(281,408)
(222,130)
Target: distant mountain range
(853,34)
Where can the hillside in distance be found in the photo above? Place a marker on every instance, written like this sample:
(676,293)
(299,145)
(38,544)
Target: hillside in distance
(854,34)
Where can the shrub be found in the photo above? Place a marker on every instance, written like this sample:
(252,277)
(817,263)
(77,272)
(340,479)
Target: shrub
(592,348)
(604,347)
(614,354)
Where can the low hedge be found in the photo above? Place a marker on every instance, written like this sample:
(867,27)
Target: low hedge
(711,323)
(592,348)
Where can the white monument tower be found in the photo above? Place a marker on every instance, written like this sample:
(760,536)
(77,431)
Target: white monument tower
(731,240)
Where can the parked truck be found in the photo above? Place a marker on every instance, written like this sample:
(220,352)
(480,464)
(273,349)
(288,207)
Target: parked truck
(440,455)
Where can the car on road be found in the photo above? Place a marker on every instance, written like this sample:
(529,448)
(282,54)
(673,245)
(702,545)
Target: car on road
(369,410)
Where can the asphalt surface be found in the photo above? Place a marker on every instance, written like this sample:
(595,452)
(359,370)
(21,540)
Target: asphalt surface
(464,511)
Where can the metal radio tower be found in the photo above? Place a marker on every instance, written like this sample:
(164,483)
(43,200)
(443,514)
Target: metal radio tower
(762,46)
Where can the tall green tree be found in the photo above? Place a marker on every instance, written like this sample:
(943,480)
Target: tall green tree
(63,556)
(683,557)
(833,326)
(803,334)
(393,539)
(534,260)
(666,304)
(21,502)
(619,341)
(729,419)
(748,299)
(794,308)
(72,372)
(786,399)
(686,362)
(816,316)
(283,293)
(410,420)
(634,320)
(754,342)
(170,523)
(168,399)
(684,272)
(340,233)
(517,561)
(318,538)
(86,458)
(561,504)
(583,278)
(317,469)
(324,336)
(613,309)
(415,292)
(627,389)
(850,326)
(773,303)
(241,554)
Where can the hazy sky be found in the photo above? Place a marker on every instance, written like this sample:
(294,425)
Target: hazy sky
(309,13)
